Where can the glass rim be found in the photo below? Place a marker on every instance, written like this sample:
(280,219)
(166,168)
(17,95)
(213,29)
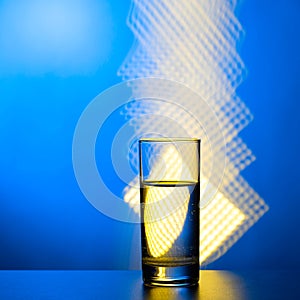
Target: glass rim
(169,139)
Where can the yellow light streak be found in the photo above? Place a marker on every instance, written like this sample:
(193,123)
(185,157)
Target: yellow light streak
(219,220)
(194,42)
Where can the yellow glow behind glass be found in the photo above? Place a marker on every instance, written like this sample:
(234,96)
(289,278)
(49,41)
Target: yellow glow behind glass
(219,220)
(161,234)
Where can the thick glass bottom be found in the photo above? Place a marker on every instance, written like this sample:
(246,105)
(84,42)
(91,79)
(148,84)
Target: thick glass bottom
(186,275)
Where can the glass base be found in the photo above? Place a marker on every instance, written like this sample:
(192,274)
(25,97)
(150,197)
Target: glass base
(177,276)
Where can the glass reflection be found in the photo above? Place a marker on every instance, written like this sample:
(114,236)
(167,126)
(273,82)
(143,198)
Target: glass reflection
(216,285)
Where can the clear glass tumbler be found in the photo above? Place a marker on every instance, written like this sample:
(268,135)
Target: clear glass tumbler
(170,195)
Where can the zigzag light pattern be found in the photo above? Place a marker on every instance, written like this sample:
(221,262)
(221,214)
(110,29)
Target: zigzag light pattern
(195,42)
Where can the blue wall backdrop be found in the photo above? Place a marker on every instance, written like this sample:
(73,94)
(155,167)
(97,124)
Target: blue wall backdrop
(55,57)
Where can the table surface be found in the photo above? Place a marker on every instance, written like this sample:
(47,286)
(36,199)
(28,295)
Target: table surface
(128,285)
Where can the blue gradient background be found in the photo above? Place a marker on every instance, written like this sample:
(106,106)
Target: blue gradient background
(55,57)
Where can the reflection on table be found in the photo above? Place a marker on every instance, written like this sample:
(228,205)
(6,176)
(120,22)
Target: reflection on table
(223,285)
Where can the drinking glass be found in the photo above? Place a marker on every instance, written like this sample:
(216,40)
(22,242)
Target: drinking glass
(170,195)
